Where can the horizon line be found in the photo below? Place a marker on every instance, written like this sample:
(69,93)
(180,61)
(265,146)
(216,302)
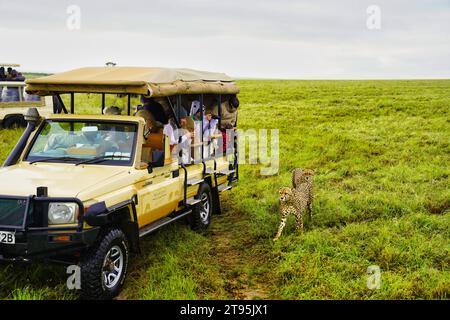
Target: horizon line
(305,79)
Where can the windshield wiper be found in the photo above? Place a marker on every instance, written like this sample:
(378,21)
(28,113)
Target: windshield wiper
(101,158)
(55,158)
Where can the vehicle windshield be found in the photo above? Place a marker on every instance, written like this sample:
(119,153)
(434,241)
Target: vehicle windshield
(106,143)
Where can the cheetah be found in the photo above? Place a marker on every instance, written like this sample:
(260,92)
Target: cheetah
(303,179)
(292,201)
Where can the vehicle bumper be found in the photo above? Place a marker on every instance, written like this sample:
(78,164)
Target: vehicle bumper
(42,245)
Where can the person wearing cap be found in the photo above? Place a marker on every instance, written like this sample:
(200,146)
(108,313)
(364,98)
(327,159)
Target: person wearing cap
(229,113)
(12,93)
(113,110)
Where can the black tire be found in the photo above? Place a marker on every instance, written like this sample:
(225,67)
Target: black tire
(96,262)
(14,122)
(200,217)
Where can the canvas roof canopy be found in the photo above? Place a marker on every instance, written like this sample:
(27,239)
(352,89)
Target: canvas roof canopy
(155,82)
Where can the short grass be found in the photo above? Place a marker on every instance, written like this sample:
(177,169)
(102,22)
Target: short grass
(381,153)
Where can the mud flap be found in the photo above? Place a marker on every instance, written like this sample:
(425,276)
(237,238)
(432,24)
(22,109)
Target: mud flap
(131,229)
(216,201)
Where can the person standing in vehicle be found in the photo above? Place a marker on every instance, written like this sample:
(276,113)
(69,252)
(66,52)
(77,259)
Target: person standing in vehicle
(187,132)
(228,120)
(19,76)
(210,122)
(9,73)
(2,74)
(2,78)
(155,108)
(181,138)
(12,93)
(229,112)
(196,110)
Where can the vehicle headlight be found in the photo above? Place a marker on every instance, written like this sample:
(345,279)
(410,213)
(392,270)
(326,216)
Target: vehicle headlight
(62,213)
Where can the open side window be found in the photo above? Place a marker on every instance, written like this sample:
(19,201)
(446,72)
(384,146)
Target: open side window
(154,150)
(203,115)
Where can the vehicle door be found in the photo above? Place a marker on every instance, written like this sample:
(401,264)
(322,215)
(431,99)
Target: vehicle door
(158,193)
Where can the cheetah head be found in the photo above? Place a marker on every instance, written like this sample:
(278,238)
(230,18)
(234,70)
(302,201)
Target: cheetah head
(285,194)
(308,175)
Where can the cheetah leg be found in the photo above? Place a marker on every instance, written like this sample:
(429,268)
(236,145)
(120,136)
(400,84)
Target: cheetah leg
(310,208)
(299,221)
(280,229)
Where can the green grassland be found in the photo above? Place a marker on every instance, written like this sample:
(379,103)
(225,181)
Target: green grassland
(30,75)
(381,154)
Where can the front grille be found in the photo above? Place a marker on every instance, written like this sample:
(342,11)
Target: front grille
(13,211)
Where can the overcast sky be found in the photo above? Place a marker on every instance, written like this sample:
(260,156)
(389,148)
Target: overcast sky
(243,38)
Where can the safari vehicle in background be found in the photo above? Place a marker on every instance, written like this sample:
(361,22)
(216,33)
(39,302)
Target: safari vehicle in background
(14,102)
(83,189)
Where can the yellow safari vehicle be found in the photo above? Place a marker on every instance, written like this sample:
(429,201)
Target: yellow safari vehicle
(14,101)
(83,189)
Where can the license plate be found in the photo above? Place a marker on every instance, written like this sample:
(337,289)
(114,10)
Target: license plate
(7,237)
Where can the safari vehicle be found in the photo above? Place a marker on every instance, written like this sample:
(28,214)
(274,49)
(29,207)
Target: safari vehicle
(14,102)
(82,189)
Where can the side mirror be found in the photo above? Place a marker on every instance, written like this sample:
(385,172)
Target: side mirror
(145,166)
(32,117)
(158,158)
(142,166)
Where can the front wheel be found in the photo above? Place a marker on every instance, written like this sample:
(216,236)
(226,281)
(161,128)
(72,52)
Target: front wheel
(104,267)
(201,212)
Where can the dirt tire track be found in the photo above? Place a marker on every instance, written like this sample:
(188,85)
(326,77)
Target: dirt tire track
(232,250)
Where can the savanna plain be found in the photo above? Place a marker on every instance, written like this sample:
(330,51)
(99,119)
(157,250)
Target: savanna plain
(381,155)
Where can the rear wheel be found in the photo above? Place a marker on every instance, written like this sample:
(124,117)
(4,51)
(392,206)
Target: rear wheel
(14,122)
(201,212)
(104,267)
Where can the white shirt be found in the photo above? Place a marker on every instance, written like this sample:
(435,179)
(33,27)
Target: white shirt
(168,131)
